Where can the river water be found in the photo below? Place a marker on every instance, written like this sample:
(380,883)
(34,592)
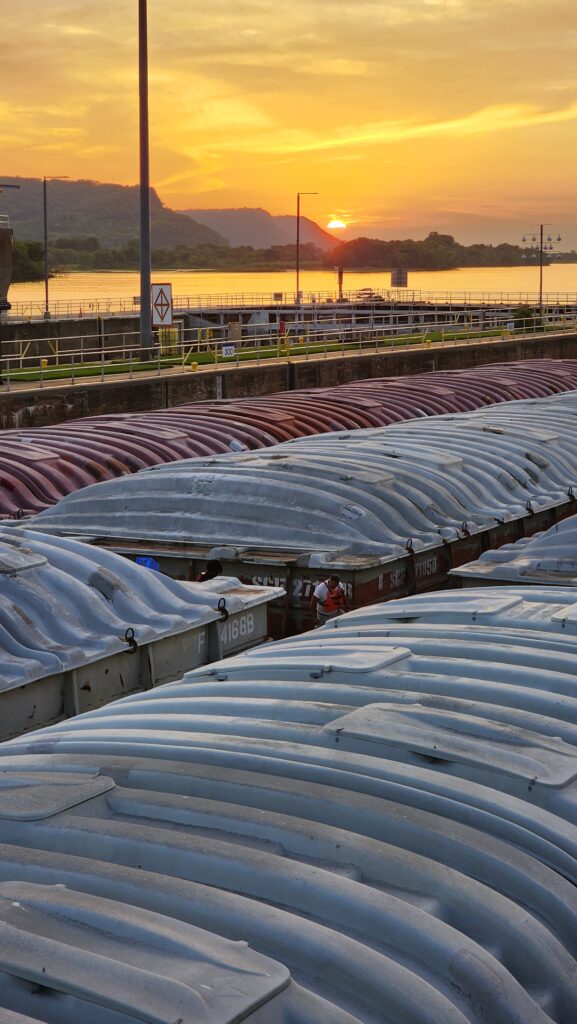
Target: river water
(93,290)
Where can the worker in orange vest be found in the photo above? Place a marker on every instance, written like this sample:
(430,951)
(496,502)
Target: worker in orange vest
(329,600)
(213,568)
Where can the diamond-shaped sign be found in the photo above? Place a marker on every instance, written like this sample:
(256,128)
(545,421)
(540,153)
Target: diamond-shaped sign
(161,305)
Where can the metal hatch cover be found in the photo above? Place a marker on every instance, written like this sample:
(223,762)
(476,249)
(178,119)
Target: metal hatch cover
(568,614)
(368,476)
(29,454)
(320,658)
(32,796)
(463,739)
(136,962)
(19,559)
(492,425)
(460,606)
(438,459)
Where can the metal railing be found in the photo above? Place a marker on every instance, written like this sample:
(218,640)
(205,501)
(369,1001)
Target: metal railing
(89,357)
(79,309)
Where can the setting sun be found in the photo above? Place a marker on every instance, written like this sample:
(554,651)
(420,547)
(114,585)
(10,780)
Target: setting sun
(243,119)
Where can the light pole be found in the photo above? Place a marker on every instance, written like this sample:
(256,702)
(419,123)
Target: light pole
(544,245)
(298,256)
(146,336)
(47,177)
(4,304)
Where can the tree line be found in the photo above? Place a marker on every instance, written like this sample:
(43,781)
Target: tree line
(435,252)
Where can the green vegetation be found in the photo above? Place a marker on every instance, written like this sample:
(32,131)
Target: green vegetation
(28,261)
(526,318)
(436,252)
(67,254)
(77,209)
(93,227)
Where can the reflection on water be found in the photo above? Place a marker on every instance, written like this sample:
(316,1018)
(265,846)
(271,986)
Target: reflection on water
(84,287)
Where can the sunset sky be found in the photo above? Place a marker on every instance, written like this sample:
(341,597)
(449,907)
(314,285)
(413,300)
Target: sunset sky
(446,115)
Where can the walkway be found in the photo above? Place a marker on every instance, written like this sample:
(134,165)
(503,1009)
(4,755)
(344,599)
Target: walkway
(348,351)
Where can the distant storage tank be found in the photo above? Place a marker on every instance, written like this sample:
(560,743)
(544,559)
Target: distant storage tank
(399,278)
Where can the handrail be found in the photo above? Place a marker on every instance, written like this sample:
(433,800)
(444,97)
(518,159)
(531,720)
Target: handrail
(31,363)
(78,309)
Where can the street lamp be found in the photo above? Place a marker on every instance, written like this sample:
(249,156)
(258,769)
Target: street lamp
(298,259)
(47,177)
(4,304)
(541,245)
(146,336)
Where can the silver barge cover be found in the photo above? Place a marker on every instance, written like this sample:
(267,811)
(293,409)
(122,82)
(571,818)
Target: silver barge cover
(367,494)
(548,558)
(80,626)
(386,808)
(392,510)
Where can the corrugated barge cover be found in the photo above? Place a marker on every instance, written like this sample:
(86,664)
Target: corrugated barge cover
(72,615)
(385,808)
(547,558)
(371,494)
(39,466)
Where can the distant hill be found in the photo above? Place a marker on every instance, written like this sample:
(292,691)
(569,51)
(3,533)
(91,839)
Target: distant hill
(260,229)
(88,208)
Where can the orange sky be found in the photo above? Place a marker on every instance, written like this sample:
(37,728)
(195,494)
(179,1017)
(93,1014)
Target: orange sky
(406,117)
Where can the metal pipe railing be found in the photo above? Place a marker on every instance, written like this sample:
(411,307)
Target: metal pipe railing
(34,363)
(78,308)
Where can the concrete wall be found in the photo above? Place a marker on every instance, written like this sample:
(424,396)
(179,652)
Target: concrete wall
(88,327)
(6,246)
(42,339)
(47,405)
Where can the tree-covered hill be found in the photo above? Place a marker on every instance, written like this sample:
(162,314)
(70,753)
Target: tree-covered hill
(435,252)
(89,208)
(260,230)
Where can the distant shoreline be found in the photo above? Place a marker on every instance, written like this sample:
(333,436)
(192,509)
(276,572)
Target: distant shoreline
(289,269)
(81,288)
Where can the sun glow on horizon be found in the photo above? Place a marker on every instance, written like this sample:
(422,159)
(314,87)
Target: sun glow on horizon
(255,118)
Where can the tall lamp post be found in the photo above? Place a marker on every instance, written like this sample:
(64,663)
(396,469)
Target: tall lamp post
(4,304)
(47,177)
(540,246)
(298,255)
(146,336)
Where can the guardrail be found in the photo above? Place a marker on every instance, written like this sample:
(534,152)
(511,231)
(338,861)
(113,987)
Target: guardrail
(42,361)
(78,308)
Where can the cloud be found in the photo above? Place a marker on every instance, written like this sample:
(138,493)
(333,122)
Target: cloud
(388,103)
(489,120)
(58,28)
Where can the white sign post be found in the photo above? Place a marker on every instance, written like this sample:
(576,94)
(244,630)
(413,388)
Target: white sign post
(161,305)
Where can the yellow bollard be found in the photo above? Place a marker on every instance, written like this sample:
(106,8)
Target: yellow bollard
(193,366)
(43,363)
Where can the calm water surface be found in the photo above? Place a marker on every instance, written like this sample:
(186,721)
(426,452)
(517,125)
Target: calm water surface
(84,288)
